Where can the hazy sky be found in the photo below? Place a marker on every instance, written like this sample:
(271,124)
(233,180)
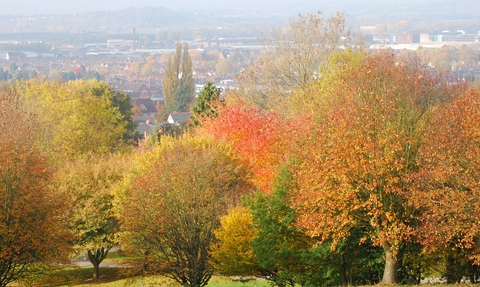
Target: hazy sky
(36,7)
(32,7)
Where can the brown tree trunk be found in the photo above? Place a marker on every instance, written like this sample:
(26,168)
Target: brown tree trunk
(391,265)
(343,272)
(96,258)
(96,271)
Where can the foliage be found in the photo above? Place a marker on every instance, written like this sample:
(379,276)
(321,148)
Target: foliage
(263,140)
(206,103)
(355,170)
(178,86)
(232,254)
(32,232)
(292,58)
(79,119)
(448,187)
(173,203)
(224,67)
(87,185)
(286,255)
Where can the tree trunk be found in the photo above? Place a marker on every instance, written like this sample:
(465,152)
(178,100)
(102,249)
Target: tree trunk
(96,271)
(343,272)
(96,258)
(391,265)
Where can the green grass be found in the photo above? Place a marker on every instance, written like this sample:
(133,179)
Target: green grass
(116,256)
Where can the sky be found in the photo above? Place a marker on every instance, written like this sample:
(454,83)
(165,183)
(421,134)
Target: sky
(34,7)
(45,7)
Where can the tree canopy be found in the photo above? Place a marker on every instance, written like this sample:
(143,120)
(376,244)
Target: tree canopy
(175,201)
(32,225)
(178,85)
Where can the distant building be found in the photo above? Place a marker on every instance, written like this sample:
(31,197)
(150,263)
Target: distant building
(457,36)
(404,38)
(424,38)
(15,56)
(115,43)
(178,118)
(136,90)
(145,106)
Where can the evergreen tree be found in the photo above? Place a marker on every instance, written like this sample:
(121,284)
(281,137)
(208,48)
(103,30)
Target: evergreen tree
(205,103)
(178,86)
(3,75)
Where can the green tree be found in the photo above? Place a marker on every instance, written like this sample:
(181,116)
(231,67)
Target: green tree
(172,205)
(286,255)
(3,75)
(206,102)
(178,86)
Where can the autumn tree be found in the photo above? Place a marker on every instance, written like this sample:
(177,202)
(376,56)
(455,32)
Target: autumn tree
(88,185)
(173,203)
(291,58)
(355,169)
(79,118)
(262,139)
(178,86)
(232,253)
(448,187)
(206,102)
(31,227)
(224,67)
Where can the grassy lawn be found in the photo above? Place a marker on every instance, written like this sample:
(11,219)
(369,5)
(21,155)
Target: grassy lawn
(122,277)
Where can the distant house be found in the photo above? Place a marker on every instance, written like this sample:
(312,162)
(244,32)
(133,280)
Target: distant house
(145,106)
(136,90)
(158,100)
(178,118)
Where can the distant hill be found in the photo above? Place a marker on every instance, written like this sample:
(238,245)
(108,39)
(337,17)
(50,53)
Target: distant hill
(99,21)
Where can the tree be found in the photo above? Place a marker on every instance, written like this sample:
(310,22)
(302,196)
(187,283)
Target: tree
(173,203)
(233,254)
(88,185)
(263,140)
(448,187)
(286,255)
(178,86)
(79,118)
(32,230)
(224,67)
(355,168)
(206,102)
(292,58)
(3,75)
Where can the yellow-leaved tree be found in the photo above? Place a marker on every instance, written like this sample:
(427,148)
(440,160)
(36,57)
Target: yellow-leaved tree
(233,254)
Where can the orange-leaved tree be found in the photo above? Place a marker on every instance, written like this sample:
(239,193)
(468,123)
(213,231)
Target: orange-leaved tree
(354,170)
(448,187)
(262,139)
(31,225)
